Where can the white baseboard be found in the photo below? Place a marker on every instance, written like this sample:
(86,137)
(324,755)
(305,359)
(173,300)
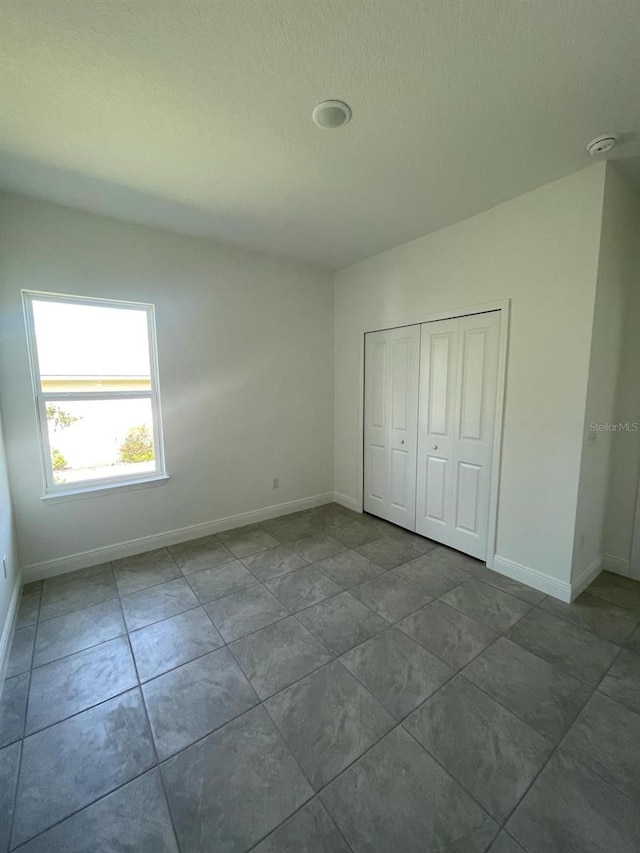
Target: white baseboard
(563,590)
(586,576)
(618,566)
(62,565)
(348,502)
(538,580)
(7,630)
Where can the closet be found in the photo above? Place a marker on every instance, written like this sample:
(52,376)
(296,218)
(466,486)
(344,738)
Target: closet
(429,420)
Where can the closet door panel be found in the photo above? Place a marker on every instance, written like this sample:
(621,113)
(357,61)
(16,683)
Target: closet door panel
(375,424)
(458,382)
(438,358)
(475,424)
(391,414)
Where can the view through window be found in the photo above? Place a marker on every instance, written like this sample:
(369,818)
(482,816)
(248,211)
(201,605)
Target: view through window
(96,390)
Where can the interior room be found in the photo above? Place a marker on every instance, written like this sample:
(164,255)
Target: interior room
(320,426)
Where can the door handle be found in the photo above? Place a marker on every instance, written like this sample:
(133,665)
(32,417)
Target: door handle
(435,446)
(402,441)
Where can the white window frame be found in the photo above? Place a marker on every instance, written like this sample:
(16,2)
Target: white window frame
(42,398)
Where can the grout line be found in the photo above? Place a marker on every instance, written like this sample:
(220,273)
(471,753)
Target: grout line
(588,629)
(150,729)
(18,773)
(75,609)
(451,776)
(558,746)
(151,734)
(146,772)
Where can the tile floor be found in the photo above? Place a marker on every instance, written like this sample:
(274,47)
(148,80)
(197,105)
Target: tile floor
(319,682)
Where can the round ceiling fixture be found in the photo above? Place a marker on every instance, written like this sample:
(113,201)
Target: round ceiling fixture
(332,114)
(602,144)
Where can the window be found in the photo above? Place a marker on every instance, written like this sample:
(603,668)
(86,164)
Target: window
(95,379)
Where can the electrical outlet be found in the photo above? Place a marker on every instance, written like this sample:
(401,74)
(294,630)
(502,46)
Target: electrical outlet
(276,484)
(4,565)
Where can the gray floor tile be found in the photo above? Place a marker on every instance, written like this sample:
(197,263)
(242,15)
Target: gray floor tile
(79,630)
(309,830)
(235,781)
(544,697)
(622,682)
(431,576)
(29,608)
(617,590)
(244,541)
(74,683)
(73,763)
(287,529)
(9,764)
(391,596)
(492,753)
(608,621)
(172,642)
(32,586)
(77,574)
(229,790)
(487,605)
(351,533)
(388,552)
(333,508)
(159,602)
(77,594)
(273,562)
(328,719)
(605,738)
(504,843)
(246,611)
(21,652)
(13,708)
(133,818)
(144,570)
(446,632)
(508,585)
(211,584)
(396,797)
(341,622)
(633,642)
(316,547)
(397,671)
(207,552)
(191,701)
(278,655)
(420,543)
(302,588)
(379,525)
(349,569)
(564,645)
(570,810)
(451,557)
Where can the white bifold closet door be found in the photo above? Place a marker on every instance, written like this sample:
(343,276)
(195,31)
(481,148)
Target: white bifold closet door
(429,420)
(458,383)
(391,424)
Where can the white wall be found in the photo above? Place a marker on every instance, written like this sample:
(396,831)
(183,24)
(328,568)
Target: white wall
(539,250)
(616,283)
(7,548)
(246,373)
(622,220)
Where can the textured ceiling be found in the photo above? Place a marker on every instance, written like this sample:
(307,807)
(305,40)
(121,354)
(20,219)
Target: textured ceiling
(196,114)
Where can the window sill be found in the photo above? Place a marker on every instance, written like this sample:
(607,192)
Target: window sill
(106,489)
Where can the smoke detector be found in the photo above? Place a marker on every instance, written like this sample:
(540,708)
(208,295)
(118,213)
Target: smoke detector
(602,144)
(332,114)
